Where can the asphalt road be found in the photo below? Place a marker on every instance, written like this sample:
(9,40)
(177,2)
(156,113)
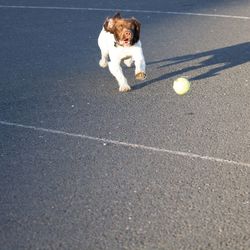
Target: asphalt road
(86,167)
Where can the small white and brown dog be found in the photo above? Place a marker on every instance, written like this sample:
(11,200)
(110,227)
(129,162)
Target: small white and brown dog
(119,41)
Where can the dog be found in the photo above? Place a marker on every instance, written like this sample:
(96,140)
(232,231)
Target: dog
(119,40)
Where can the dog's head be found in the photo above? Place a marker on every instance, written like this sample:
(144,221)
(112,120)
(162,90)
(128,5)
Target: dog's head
(126,31)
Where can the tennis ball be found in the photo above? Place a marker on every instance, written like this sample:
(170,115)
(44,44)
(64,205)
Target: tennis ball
(181,86)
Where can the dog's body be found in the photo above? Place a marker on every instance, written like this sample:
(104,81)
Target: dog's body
(119,40)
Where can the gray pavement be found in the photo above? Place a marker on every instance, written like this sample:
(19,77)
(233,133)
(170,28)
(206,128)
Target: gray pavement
(86,167)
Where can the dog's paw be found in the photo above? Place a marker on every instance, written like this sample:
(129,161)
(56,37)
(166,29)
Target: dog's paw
(140,76)
(124,88)
(103,63)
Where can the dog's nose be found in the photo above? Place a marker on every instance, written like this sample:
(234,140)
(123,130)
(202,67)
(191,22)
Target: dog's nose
(128,34)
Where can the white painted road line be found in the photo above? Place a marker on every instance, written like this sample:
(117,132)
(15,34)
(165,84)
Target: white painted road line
(126,10)
(125,144)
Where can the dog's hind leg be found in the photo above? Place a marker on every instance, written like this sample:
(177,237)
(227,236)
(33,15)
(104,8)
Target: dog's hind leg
(104,60)
(128,62)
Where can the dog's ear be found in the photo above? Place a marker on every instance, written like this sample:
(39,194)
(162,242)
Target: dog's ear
(137,30)
(109,23)
(117,15)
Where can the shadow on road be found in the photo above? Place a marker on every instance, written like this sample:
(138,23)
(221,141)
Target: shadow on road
(215,60)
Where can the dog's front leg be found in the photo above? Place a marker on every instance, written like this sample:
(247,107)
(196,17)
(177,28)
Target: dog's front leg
(140,65)
(116,71)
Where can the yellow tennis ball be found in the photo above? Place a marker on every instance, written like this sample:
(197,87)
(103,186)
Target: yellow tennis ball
(181,86)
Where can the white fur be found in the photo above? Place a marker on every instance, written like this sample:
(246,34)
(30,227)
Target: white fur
(116,54)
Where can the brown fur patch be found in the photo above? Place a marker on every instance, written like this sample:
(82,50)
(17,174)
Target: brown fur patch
(126,31)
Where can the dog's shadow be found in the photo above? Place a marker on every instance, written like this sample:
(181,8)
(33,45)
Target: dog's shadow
(215,60)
